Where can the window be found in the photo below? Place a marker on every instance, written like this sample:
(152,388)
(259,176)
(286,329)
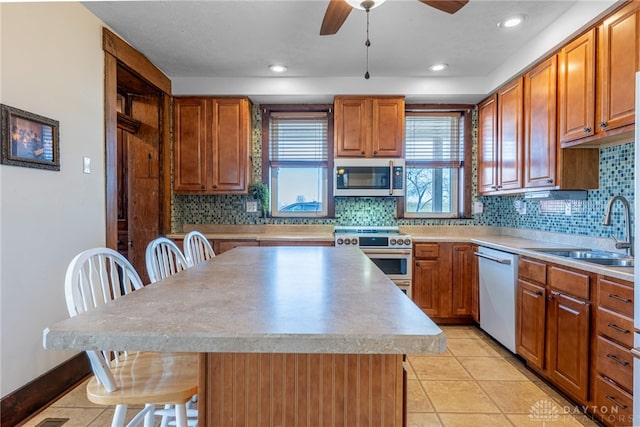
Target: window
(297,162)
(436,167)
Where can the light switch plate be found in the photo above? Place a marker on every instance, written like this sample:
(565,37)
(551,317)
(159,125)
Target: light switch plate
(477,208)
(86,162)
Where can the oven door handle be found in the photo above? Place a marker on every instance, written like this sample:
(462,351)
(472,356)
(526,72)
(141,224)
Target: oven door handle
(387,251)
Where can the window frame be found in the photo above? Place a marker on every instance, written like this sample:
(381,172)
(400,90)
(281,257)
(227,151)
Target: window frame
(266,110)
(464,176)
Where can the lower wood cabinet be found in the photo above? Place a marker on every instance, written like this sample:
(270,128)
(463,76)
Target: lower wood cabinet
(443,281)
(530,322)
(568,344)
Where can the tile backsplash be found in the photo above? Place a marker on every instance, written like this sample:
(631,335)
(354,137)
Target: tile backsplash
(616,178)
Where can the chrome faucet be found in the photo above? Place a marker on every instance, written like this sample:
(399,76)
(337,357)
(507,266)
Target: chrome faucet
(627,243)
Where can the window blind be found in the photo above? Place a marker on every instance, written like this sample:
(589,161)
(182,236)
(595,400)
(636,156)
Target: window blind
(434,138)
(298,137)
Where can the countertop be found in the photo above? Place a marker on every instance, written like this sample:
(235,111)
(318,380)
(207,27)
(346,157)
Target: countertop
(261,299)
(311,233)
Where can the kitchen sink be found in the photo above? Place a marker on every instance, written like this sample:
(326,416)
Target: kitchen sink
(589,255)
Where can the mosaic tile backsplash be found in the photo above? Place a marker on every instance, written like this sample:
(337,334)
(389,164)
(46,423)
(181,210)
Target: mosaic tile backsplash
(616,178)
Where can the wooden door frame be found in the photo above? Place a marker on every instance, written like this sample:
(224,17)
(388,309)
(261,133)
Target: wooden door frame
(117,52)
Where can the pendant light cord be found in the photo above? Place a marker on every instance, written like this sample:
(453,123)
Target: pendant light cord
(367,43)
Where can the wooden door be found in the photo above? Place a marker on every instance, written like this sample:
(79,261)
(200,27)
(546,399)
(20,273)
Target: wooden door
(487,145)
(530,322)
(540,119)
(191,138)
(143,181)
(619,59)
(510,126)
(427,286)
(568,344)
(352,126)
(577,88)
(461,279)
(230,148)
(387,136)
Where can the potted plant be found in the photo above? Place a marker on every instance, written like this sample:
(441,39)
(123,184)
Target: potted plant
(260,192)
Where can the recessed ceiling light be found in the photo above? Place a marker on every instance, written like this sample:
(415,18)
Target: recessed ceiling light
(438,67)
(511,22)
(277,68)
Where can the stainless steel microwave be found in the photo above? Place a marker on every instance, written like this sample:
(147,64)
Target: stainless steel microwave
(368,177)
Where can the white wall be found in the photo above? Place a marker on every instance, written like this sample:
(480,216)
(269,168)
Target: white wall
(52,65)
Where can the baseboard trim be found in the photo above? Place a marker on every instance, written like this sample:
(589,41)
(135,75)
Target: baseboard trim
(27,400)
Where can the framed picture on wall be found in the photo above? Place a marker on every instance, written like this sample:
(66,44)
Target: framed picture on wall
(29,140)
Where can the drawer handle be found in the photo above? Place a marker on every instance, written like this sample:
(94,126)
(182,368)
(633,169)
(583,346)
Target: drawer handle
(618,328)
(619,298)
(615,402)
(618,361)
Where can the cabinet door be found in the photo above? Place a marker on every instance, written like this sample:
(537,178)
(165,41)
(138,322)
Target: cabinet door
(530,322)
(619,59)
(510,125)
(461,279)
(230,157)
(352,122)
(426,292)
(387,137)
(191,135)
(487,145)
(577,88)
(540,125)
(568,343)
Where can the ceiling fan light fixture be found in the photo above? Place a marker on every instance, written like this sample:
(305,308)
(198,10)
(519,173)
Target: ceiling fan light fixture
(438,67)
(511,22)
(365,4)
(277,68)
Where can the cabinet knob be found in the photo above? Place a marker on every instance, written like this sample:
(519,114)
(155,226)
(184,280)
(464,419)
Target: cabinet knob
(539,292)
(417,264)
(215,186)
(362,152)
(550,181)
(603,125)
(587,130)
(495,187)
(375,153)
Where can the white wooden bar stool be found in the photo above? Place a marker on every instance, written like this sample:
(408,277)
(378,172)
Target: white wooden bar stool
(96,277)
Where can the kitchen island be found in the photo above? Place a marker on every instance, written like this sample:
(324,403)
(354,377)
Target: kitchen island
(286,335)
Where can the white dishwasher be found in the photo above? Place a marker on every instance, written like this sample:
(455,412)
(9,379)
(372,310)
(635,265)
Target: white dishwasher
(498,272)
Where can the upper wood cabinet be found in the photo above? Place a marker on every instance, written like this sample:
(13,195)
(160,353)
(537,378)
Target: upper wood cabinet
(487,145)
(619,60)
(369,126)
(500,124)
(577,87)
(212,145)
(597,81)
(546,164)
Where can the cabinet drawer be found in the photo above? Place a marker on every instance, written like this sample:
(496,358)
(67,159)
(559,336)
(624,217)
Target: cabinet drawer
(615,297)
(532,270)
(570,282)
(427,250)
(615,362)
(613,405)
(615,326)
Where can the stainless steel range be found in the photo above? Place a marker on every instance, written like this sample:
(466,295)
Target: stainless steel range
(389,249)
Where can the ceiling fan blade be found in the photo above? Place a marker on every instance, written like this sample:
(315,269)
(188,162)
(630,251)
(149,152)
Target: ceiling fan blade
(334,17)
(449,6)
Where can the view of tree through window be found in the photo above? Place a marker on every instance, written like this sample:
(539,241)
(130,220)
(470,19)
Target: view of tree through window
(434,150)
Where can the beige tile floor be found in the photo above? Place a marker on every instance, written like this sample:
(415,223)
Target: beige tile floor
(476,382)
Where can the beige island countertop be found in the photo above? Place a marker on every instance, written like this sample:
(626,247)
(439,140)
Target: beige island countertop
(308,328)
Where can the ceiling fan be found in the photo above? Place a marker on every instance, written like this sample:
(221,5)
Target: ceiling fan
(338,10)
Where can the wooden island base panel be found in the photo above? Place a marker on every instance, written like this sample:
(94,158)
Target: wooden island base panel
(251,389)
